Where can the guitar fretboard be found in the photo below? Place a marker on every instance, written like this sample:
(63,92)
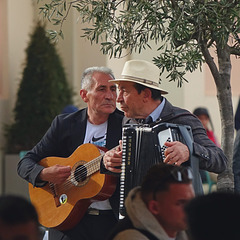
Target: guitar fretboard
(94,165)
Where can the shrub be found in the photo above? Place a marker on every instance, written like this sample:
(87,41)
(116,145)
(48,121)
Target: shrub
(42,94)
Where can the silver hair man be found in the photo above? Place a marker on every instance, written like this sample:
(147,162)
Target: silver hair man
(87,80)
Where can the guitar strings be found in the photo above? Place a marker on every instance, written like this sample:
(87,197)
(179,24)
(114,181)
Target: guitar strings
(83,173)
(84,170)
(68,183)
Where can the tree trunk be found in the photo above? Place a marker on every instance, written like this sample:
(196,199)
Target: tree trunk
(224,95)
(222,77)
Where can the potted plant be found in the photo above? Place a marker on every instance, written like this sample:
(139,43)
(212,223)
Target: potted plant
(43,92)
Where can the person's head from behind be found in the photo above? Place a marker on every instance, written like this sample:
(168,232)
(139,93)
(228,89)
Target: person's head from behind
(165,190)
(18,219)
(214,216)
(99,94)
(203,115)
(139,88)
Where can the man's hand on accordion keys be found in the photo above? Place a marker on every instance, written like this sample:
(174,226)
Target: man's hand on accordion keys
(176,153)
(113,159)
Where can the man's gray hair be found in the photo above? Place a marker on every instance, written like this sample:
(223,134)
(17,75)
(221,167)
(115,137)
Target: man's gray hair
(87,80)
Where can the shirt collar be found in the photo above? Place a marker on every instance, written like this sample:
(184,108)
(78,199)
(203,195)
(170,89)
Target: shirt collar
(156,113)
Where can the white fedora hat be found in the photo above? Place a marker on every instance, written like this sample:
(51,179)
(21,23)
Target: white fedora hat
(141,72)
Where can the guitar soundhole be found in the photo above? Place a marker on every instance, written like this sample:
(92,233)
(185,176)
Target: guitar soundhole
(80,173)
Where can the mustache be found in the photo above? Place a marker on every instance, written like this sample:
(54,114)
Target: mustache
(109,102)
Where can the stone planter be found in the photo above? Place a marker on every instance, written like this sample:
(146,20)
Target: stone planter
(12,183)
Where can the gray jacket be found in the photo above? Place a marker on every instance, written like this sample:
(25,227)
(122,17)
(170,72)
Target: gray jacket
(211,157)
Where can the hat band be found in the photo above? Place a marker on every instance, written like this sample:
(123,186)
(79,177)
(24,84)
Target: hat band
(140,80)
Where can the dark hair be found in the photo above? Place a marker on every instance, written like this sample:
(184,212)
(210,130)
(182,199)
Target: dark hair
(160,176)
(201,111)
(156,94)
(16,209)
(214,216)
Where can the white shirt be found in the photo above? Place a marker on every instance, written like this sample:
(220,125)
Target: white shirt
(97,134)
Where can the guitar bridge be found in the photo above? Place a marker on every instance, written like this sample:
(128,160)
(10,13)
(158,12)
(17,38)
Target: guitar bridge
(54,193)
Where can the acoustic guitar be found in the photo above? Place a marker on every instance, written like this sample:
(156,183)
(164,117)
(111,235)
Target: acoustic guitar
(63,206)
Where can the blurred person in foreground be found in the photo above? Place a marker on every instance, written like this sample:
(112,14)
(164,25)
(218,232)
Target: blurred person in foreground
(156,209)
(18,219)
(214,216)
(236,151)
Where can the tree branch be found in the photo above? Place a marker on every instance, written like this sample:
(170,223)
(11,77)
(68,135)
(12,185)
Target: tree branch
(234,51)
(210,62)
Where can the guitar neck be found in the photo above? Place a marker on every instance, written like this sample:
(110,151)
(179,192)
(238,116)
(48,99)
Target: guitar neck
(94,165)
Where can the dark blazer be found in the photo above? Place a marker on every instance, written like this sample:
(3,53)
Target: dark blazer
(66,133)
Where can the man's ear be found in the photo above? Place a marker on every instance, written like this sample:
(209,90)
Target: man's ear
(83,94)
(147,94)
(153,207)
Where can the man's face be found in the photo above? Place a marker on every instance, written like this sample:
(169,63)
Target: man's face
(23,231)
(204,119)
(101,99)
(170,205)
(131,102)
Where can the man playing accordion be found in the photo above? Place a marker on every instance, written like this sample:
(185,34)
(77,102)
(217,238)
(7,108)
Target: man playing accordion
(140,97)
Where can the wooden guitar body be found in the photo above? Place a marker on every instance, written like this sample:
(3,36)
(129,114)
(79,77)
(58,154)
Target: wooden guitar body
(62,206)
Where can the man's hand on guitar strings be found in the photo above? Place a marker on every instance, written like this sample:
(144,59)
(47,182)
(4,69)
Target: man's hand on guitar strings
(56,174)
(176,153)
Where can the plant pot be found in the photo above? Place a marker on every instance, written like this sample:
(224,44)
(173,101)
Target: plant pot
(12,183)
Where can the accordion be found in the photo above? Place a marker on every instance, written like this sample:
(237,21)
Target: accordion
(143,146)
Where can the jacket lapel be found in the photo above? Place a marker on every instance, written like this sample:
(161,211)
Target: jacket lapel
(78,128)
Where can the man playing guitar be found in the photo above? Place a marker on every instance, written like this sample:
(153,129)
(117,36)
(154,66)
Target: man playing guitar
(100,124)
